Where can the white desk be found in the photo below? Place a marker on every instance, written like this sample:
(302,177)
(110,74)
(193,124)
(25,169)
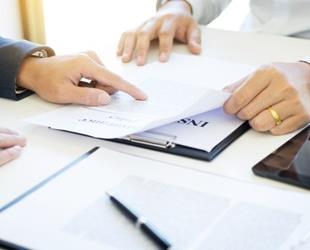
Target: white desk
(48,150)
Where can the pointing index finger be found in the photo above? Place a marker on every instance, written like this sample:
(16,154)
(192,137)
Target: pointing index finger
(106,77)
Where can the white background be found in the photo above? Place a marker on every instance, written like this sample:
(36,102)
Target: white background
(77,25)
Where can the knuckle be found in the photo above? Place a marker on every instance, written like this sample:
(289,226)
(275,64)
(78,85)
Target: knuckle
(167,17)
(274,71)
(90,52)
(271,69)
(268,69)
(263,69)
(142,34)
(164,34)
(304,118)
(230,106)
(297,105)
(238,99)
(129,33)
(81,58)
(276,131)
(258,124)
(289,91)
(245,114)
(124,34)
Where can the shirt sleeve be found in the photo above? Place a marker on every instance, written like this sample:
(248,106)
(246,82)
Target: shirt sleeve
(204,11)
(306,59)
(12,53)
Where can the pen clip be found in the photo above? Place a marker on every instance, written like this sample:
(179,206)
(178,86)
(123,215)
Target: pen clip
(152,139)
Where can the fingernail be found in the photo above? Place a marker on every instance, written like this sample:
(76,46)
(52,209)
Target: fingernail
(15,151)
(140,60)
(143,96)
(163,57)
(196,46)
(23,141)
(227,89)
(104,99)
(125,56)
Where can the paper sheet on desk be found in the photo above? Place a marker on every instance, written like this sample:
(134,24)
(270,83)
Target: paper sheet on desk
(211,218)
(193,210)
(169,100)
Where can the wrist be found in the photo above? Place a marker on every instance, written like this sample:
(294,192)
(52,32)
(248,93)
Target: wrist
(176,5)
(28,73)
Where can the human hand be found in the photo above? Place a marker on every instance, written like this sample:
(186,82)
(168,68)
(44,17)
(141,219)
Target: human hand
(280,87)
(172,21)
(11,144)
(56,79)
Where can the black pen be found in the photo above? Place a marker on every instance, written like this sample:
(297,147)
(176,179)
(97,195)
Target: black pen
(141,223)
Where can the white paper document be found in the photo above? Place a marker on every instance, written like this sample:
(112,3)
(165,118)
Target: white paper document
(171,96)
(193,210)
(203,131)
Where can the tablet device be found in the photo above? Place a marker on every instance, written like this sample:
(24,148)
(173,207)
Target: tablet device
(290,163)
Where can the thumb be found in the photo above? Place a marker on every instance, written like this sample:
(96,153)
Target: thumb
(194,38)
(86,96)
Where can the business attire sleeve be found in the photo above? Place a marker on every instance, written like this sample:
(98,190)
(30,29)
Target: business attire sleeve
(204,11)
(306,59)
(12,53)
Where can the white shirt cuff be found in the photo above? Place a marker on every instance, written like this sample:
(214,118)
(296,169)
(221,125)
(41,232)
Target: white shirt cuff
(306,59)
(197,7)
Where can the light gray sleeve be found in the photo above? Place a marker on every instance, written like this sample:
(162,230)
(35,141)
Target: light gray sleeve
(306,59)
(204,11)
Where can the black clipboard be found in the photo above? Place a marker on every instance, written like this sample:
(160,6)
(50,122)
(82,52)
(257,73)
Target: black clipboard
(175,149)
(165,143)
(172,148)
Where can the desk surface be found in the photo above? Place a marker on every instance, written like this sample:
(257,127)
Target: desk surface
(49,150)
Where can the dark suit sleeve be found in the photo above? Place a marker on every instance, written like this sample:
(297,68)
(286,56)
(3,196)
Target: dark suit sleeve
(12,53)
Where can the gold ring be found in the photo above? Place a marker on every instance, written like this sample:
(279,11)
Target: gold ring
(275,116)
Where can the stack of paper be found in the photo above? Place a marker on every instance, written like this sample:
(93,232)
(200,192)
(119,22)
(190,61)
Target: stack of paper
(184,87)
